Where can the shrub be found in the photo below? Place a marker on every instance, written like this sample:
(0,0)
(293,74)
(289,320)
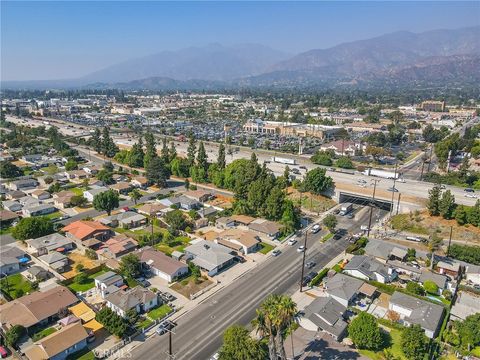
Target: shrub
(318,279)
(415,288)
(430,287)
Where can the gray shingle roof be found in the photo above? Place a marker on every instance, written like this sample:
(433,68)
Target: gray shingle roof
(327,314)
(367,266)
(343,286)
(438,279)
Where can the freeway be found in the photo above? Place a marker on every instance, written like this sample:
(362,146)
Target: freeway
(198,333)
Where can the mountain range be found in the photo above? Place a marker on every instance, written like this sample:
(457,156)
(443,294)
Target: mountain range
(438,57)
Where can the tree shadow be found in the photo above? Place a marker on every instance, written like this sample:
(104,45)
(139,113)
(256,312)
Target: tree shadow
(320,349)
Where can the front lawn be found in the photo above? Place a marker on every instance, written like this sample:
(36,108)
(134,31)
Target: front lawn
(85,354)
(265,248)
(159,312)
(43,333)
(16,286)
(141,324)
(54,215)
(76,287)
(77,191)
(189,286)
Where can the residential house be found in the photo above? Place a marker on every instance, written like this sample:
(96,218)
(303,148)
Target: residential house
(199,195)
(449,267)
(55,260)
(23,184)
(244,220)
(7,217)
(83,230)
(125,220)
(53,242)
(413,310)
(384,251)
(108,283)
(466,304)
(12,205)
(440,280)
(41,194)
(39,307)
(122,188)
(15,194)
(37,273)
(116,247)
(209,256)
(326,314)
(31,159)
(140,182)
(63,199)
(90,194)
(91,169)
(162,265)
(368,268)
(244,241)
(11,259)
(266,227)
(225,222)
(119,177)
(472,274)
(151,209)
(29,201)
(61,344)
(76,174)
(404,270)
(38,210)
(343,288)
(138,298)
(207,211)
(182,202)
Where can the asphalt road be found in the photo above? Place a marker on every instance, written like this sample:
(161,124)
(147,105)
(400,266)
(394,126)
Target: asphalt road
(198,333)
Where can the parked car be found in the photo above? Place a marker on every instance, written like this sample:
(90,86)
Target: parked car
(469,190)
(336,211)
(303,167)
(470,195)
(350,216)
(3,352)
(169,296)
(144,283)
(316,228)
(292,241)
(165,326)
(310,264)
(276,252)
(301,248)
(392,189)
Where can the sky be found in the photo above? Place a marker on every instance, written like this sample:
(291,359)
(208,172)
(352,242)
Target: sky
(61,40)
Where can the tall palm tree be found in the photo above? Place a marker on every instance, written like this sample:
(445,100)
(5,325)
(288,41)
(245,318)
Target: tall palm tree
(135,194)
(274,317)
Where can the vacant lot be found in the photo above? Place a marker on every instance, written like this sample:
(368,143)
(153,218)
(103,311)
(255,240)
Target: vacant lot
(310,202)
(189,286)
(75,259)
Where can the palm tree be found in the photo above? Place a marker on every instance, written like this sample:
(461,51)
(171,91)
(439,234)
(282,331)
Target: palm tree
(433,245)
(135,195)
(274,317)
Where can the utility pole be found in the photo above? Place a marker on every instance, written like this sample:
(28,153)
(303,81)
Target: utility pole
(398,202)
(449,240)
(303,259)
(430,159)
(375,181)
(393,189)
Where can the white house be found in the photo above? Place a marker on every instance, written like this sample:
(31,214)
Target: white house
(138,298)
(367,268)
(107,282)
(90,194)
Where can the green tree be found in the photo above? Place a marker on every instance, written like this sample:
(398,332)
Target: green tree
(415,288)
(274,317)
(114,323)
(290,217)
(96,141)
(221,157)
(105,176)
(106,201)
(330,221)
(414,343)
(187,184)
(135,195)
(447,205)
(136,155)
(344,162)
(322,158)
(165,152)
(175,220)
(81,278)
(364,332)
(9,170)
(433,203)
(173,151)
(108,166)
(461,215)
(108,145)
(430,287)
(316,181)
(434,243)
(239,345)
(71,164)
(202,159)
(274,204)
(78,200)
(157,172)
(191,150)
(469,331)
(130,266)
(14,334)
(150,149)
(32,228)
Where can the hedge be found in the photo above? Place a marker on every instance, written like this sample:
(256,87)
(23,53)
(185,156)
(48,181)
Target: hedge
(318,279)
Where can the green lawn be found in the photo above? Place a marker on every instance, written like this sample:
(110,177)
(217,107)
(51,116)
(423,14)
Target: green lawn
(74,286)
(327,237)
(404,222)
(43,333)
(85,354)
(476,351)
(54,215)
(395,347)
(144,323)
(159,312)
(77,191)
(265,248)
(16,285)
(7,230)
(178,244)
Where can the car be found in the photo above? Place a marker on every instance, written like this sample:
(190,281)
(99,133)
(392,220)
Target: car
(296,171)
(276,252)
(392,189)
(312,274)
(315,228)
(144,283)
(364,227)
(310,264)
(3,352)
(292,242)
(361,181)
(301,248)
(469,195)
(215,356)
(165,327)
(336,211)
(469,190)
(349,216)
(169,296)
(303,167)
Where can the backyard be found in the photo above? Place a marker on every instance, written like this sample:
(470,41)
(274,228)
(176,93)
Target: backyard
(393,345)
(16,286)
(90,283)
(43,333)
(177,244)
(189,285)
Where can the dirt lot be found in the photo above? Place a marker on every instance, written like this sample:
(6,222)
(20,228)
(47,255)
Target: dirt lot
(315,203)
(188,286)
(78,258)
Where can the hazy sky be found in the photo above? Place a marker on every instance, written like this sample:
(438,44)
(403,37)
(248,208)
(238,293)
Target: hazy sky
(55,40)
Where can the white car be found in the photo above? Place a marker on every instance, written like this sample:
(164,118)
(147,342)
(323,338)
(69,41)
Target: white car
(469,195)
(301,248)
(292,242)
(276,252)
(315,228)
(364,227)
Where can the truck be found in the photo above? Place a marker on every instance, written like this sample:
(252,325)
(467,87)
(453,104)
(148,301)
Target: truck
(284,160)
(345,209)
(382,174)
